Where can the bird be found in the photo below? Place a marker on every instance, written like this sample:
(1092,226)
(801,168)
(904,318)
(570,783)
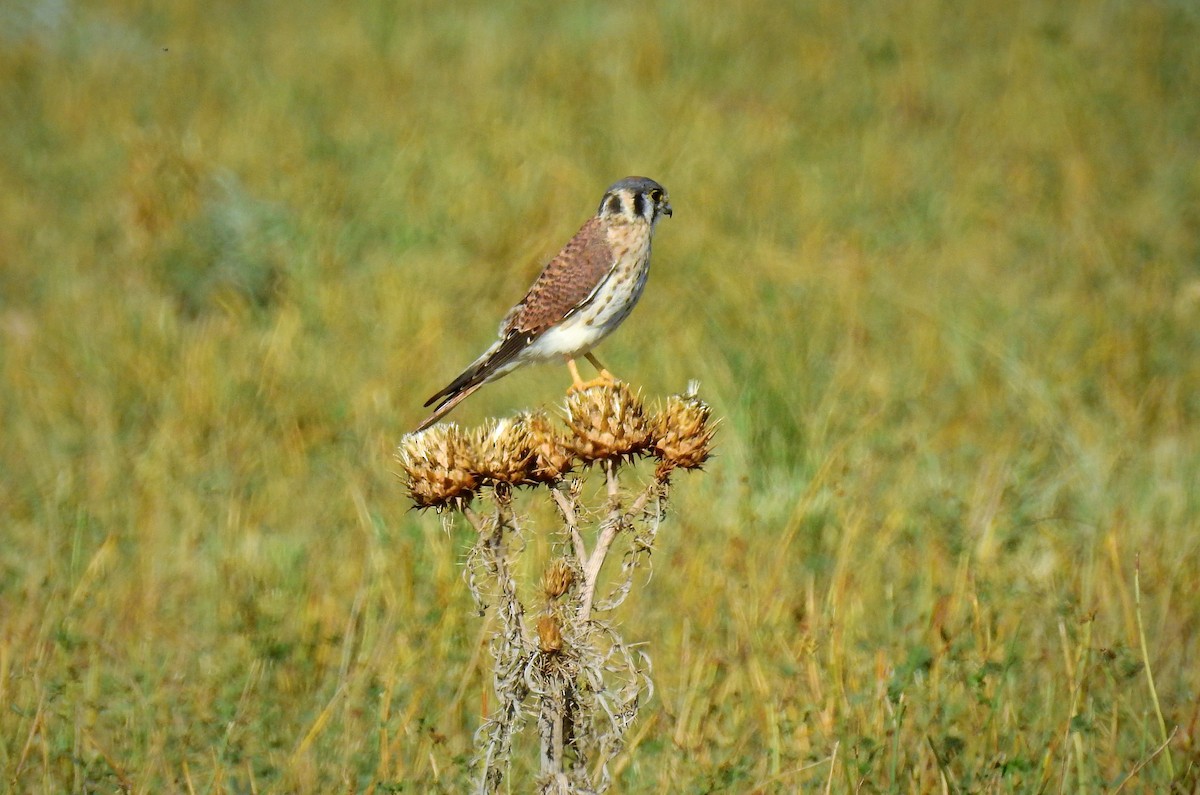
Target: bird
(580,297)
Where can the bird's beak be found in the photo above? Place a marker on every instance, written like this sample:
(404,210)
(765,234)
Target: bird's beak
(667,209)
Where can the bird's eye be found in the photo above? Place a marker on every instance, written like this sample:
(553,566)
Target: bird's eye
(656,195)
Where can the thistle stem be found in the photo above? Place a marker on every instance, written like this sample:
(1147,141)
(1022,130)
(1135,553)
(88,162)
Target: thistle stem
(553,717)
(609,529)
(566,506)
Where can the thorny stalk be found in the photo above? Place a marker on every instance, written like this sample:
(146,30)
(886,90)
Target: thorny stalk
(552,658)
(495,736)
(566,505)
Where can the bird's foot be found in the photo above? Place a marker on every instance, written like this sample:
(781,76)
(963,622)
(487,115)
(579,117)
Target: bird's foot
(604,379)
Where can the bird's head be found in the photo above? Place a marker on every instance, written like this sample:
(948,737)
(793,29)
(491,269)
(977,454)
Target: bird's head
(635,199)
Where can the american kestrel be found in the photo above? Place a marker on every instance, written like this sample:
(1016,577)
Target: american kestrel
(580,297)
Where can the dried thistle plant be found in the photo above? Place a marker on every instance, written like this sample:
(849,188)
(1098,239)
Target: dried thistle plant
(553,660)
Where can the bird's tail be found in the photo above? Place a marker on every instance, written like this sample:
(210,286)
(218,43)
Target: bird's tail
(495,362)
(447,405)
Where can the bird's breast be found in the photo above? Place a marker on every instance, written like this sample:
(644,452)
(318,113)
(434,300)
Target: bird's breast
(612,301)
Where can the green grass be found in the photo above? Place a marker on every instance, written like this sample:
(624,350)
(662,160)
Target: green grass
(936,265)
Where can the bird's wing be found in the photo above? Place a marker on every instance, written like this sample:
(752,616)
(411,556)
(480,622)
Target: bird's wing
(490,364)
(448,405)
(564,284)
(478,372)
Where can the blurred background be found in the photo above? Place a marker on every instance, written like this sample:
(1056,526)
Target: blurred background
(936,265)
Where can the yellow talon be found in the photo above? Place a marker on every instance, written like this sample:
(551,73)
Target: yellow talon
(605,378)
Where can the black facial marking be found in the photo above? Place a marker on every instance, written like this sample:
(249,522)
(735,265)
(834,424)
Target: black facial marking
(639,204)
(614,204)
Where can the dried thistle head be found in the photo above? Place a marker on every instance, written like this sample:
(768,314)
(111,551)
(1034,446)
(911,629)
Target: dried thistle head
(683,433)
(550,638)
(608,422)
(439,467)
(552,458)
(503,451)
(558,579)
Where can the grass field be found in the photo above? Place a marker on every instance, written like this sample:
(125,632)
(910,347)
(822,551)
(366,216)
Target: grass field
(936,265)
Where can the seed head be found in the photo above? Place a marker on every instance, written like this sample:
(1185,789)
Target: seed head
(558,579)
(550,638)
(503,453)
(438,467)
(608,423)
(552,459)
(682,433)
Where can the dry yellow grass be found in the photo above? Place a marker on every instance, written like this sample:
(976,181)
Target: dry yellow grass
(935,265)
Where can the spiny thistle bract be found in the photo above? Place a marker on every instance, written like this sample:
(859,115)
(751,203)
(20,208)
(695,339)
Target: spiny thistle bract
(550,639)
(504,452)
(608,423)
(587,682)
(558,579)
(683,434)
(552,458)
(439,467)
